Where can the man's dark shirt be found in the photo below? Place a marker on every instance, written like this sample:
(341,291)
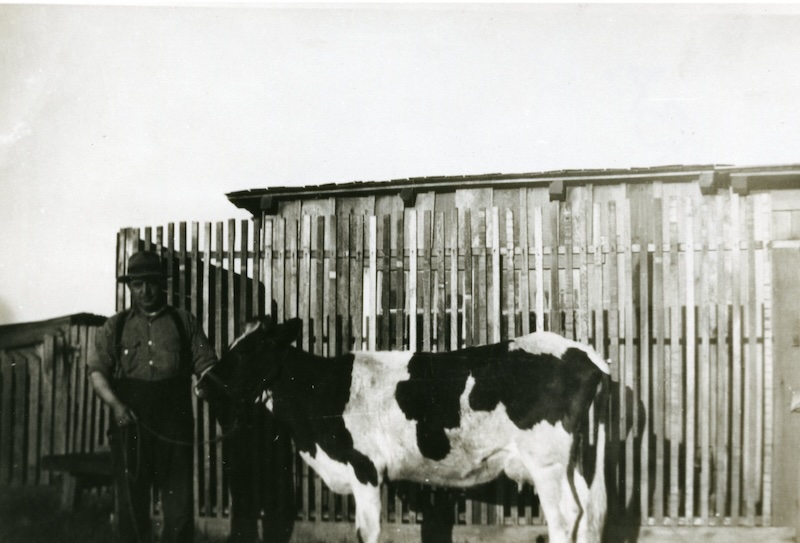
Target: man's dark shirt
(150,346)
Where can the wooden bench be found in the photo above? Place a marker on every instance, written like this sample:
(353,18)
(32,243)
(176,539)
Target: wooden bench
(80,471)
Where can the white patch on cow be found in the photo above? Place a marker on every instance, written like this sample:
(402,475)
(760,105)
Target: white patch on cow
(340,477)
(556,345)
(266,399)
(249,328)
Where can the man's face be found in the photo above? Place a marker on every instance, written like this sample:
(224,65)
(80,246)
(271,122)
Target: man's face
(147,293)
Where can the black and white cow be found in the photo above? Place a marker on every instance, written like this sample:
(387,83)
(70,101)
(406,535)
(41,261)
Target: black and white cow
(452,419)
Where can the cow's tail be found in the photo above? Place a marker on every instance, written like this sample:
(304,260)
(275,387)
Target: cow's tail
(598,500)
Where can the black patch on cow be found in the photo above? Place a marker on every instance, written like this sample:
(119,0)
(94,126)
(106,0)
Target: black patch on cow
(533,388)
(310,396)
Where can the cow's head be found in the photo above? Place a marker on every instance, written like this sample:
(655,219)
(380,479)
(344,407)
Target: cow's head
(252,363)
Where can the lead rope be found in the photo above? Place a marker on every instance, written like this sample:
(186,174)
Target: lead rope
(124,435)
(172,441)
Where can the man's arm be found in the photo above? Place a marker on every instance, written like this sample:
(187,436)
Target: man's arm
(122,413)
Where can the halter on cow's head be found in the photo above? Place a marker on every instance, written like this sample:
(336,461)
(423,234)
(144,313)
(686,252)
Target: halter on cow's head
(252,363)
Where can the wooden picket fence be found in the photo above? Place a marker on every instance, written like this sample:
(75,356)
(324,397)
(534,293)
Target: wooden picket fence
(672,286)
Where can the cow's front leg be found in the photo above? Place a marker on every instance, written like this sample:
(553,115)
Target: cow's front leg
(368,512)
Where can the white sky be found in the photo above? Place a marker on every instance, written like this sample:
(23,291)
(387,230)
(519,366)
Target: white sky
(140,116)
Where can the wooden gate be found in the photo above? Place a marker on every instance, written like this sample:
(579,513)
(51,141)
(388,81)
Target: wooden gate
(674,287)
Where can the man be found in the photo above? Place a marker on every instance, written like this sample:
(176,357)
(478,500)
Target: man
(142,368)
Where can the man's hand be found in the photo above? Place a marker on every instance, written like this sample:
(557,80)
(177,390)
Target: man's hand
(123,414)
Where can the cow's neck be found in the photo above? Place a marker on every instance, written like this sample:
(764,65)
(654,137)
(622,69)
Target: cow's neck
(311,393)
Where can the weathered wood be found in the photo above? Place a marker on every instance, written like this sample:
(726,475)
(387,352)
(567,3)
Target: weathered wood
(690,335)
(736,353)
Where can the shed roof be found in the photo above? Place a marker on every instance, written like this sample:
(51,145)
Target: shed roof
(28,333)
(712,177)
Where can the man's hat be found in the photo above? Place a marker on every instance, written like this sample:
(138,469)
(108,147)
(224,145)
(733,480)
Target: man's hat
(142,264)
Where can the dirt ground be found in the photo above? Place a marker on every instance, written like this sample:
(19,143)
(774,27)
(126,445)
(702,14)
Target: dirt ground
(32,515)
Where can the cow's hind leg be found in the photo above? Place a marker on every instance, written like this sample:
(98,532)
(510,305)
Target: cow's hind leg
(368,512)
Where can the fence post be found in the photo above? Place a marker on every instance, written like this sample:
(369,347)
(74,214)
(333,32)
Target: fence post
(786,343)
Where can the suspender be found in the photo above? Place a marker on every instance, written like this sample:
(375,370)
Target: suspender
(183,339)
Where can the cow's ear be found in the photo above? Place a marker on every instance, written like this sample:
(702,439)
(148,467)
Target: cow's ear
(267,323)
(289,331)
(250,326)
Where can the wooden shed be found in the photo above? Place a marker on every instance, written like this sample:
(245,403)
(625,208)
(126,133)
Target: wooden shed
(47,406)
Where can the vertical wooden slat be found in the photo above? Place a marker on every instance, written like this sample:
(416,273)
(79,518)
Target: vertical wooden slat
(399,278)
(372,300)
(736,364)
(723,280)
(568,301)
(675,363)
(581,206)
(465,246)
(439,282)
(220,329)
(59,396)
(387,282)
(762,234)
(452,242)
(411,292)
(343,282)
(233,326)
(538,248)
(47,374)
(330,264)
(18,468)
(690,362)
(269,265)
(357,280)
(556,249)
(256,302)
(87,348)
(611,308)
(493,241)
(292,266)
(425,256)
(77,388)
(244,274)
(120,268)
(181,269)
(304,292)
(34,417)
(755,372)
(706,408)
(659,313)
(94,406)
(525,271)
(279,276)
(479,244)
(643,232)
(509,276)
(6,418)
(318,283)
(170,256)
(305,297)
(630,413)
